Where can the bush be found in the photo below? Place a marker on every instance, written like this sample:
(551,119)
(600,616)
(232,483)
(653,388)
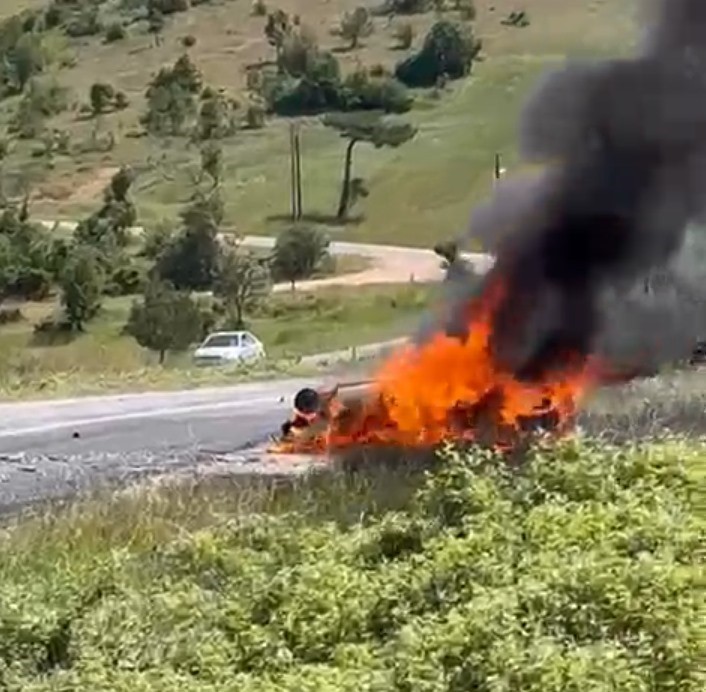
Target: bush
(576,572)
(405,7)
(126,280)
(317,91)
(448,52)
(188,41)
(10,316)
(255,116)
(404,35)
(365,92)
(121,101)
(259,8)
(85,23)
(169,6)
(467,9)
(356,25)
(297,254)
(115,32)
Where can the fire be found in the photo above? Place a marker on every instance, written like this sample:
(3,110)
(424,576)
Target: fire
(452,388)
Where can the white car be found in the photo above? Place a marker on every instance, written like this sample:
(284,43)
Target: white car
(221,348)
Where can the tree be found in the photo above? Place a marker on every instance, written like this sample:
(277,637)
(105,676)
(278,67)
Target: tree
(165,319)
(106,229)
(171,97)
(356,25)
(155,22)
(277,28)
(298,251)
(298,52)
(101,96)
(242,281)
(365,127)
(191,259)
(25,60)
(216,115)
(448,52)
(81,286)
(212,162)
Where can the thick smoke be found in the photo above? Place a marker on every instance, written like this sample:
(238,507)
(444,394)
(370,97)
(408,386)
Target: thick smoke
(625,144)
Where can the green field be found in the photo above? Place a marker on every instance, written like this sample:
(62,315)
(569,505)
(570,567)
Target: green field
(419,193)
(579,572)
(290,325)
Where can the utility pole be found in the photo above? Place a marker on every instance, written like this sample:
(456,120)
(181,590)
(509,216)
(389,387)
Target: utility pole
(295,170)
(298,155)
(293,173)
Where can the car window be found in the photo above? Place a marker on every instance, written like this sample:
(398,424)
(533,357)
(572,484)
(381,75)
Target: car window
(248,340)
(222,341)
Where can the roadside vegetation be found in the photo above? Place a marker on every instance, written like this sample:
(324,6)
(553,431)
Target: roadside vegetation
(106,357)
(579,570)
(163,128)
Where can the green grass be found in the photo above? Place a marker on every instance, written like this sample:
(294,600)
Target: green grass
(290,325)
(579,572)
(419,193)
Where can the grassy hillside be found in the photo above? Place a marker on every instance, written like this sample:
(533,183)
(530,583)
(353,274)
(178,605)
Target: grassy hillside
(419,193)
(578,572)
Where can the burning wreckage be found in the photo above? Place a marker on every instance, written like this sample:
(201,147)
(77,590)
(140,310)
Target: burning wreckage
(626,142)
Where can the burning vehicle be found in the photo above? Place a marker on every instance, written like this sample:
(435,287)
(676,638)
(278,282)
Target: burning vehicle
(621,148)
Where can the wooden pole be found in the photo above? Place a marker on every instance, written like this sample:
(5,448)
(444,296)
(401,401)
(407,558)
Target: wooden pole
(293,172)
(298,155)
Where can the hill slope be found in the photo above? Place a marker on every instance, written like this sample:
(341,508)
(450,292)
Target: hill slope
(418,193)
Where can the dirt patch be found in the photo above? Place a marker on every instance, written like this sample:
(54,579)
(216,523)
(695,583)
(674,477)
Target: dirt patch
(93,188)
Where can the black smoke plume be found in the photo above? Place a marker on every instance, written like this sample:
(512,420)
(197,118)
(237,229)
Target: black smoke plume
(623,143)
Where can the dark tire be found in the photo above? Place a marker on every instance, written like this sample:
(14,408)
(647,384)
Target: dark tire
(307,401)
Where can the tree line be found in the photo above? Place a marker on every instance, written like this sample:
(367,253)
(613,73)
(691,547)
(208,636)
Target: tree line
(106,255)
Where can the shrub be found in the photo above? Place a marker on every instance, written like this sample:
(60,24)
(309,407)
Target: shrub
(317,91)
(405,7)
(188,41)
(356,25)
(297,253)
(121,101)
(365,92)
(10,315)
(466,9)
(115,31)
(126,280)
(575,572)
(85,23)
(169,6)
(255,116)
(259,8)
(404,35)
(448,52)
(101,96)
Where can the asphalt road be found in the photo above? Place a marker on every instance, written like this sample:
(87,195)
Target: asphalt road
(54,448)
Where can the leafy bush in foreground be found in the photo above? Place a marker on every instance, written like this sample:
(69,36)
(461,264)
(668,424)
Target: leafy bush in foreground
(576,572)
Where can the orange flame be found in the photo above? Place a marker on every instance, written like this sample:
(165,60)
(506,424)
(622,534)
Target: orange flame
(452,388)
